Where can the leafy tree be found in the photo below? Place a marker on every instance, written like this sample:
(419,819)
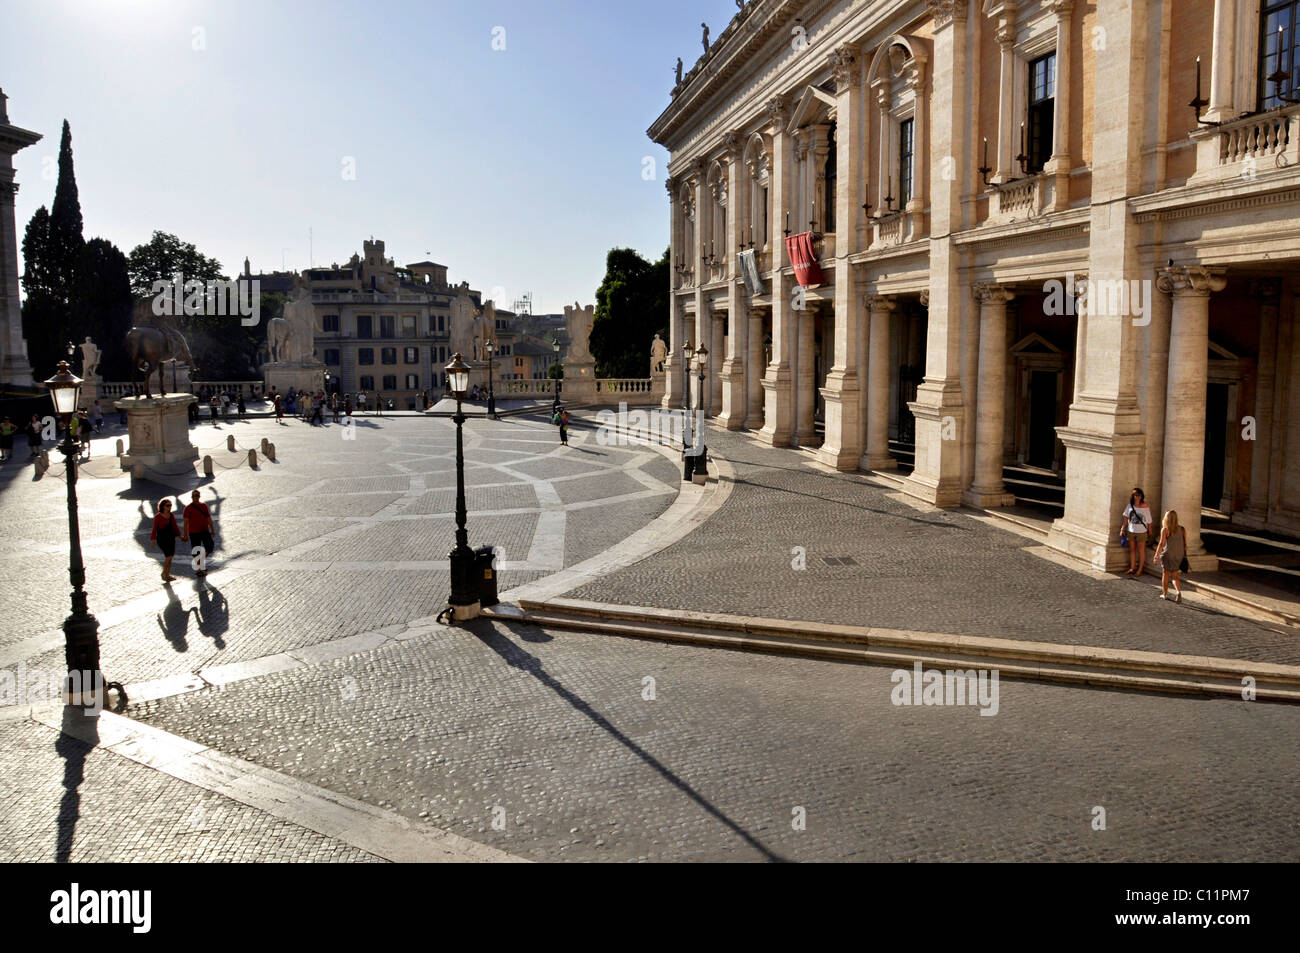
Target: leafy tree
(163,257)
(631,307)
(102,305)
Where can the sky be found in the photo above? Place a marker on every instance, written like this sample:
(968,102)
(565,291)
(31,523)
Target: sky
(235,125)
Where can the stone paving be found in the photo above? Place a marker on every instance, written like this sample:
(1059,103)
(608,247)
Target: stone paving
(65,801)
(554,733)
(914,567)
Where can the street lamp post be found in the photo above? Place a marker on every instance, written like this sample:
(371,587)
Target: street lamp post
(701,364)
(688,461)
(492,398)
(464,599)
(80,628)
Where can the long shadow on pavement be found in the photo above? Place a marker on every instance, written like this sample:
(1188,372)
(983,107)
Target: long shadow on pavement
(73,751)
(516,657)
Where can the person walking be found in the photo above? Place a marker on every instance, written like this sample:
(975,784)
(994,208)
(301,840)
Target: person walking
(200,528)
(7,431)
(34,438)
(164,533)
(1135,523)
(563,419)
(1171,554)
(97,414)
(279,408)
(213,404)
(239,404)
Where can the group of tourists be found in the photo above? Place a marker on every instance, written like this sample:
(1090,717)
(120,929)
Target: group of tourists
(1171,549)
(80,427)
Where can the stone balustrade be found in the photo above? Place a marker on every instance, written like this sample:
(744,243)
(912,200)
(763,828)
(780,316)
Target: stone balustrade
(1246,147)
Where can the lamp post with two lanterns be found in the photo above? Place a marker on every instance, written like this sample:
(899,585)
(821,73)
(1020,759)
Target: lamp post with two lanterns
(80,629)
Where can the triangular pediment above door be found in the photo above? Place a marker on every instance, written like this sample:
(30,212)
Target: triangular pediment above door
(1034,343)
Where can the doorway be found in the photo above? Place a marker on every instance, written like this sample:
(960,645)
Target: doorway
(1216,444)
(1043,387)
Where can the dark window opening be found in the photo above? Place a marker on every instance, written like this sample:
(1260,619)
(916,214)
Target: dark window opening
(906,146)
(1042,112)
(1277,51)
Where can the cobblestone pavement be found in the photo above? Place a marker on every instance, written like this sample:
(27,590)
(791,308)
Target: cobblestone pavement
(555,735)
(66,801)
(340,536)
(919,569)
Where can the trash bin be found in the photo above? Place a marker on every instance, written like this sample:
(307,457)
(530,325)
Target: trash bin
(486,574)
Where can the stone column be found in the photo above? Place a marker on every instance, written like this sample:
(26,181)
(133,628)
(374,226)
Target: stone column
(806,377)
(15,368)
(881,309)
(1007,107)
(987,488)
(1223,62)
(1189,343)
(1059,164)
(1157,378)
(938,408)
(1256,509)
(731,378)
(778,410)
(754,366)
(842,448)
(676,337)
(717,348)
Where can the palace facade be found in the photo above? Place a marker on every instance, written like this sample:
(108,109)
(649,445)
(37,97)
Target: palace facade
(1018,248)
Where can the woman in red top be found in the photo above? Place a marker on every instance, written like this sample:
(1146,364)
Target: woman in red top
(164,533)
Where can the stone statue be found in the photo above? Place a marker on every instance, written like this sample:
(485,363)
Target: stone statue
(485,327)
(89,359)
(301,317)
(679,71)
(153,340)
(463,314)
(705,40)
(278,334)
(658,353)
(740,4)
(578,322)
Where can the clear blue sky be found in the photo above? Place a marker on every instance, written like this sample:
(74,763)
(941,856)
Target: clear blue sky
(518,169)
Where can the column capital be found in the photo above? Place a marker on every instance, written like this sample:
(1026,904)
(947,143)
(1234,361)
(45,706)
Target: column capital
(993,294)
(670,185)
(698,166)
(731,143)
(925,297)
(842,61)
(1191,281)
(1062,8)
(877,303)
(945,11)
(778,111)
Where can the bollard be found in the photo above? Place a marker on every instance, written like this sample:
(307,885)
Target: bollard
(252,459)
(265,443)
(207,465)
(230,443)
(270,452)
(41,465)
(121,449)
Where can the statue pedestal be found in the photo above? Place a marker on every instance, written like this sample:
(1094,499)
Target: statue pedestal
(158,429)
(300,376)
(580,381)
(90,391)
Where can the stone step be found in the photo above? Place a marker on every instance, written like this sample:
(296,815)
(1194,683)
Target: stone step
(1084,665)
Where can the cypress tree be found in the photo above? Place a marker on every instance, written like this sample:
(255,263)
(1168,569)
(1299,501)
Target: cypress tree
(66,241)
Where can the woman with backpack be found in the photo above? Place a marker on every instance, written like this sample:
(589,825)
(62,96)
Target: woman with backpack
(1135,522)
(1171,554)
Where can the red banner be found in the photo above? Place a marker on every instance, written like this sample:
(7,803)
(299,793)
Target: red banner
(800,249)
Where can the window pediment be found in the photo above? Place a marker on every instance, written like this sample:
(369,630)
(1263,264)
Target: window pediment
(812,106)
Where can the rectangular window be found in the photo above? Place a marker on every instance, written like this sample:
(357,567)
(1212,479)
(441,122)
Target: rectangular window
(1277,51)
(330,324)
(366,355)
(412,381)
(408,325)
(388,355)
(906,140)
(364,326)
(386,326)
(331,355)
(390,382)
(832,177)
(367,382)
(411,355)
(1042,112)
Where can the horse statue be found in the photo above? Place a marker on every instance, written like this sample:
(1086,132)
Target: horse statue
(279,332)
(149,345)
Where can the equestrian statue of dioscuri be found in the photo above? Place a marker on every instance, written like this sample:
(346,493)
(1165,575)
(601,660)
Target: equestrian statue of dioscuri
(151,342)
